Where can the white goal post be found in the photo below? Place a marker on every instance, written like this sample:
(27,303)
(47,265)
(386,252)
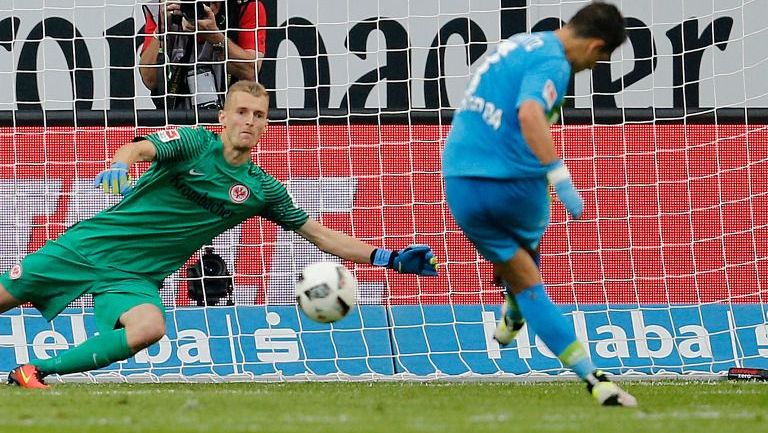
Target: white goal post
(667,274)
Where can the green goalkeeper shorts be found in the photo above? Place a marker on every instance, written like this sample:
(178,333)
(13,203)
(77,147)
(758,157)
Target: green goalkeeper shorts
(54,276)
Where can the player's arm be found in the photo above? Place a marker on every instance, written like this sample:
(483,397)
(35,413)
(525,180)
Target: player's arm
(131,153)
(535,129)
(115,179)
(166,147)
(415,259)
(335,242)
(538,95)
(243,63)
(148,63)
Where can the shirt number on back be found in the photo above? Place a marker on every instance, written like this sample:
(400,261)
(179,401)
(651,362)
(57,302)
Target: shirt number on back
(490,113)
(528,42)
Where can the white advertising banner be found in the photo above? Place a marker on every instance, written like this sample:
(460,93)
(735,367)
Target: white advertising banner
(394,54)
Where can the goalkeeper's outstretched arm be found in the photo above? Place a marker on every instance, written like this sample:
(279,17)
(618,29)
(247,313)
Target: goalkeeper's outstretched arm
(414,259)
(335,242)
(535,129)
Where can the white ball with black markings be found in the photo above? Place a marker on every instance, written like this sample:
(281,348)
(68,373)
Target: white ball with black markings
(326,291)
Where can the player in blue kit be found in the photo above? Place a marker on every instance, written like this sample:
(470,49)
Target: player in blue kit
(499,159)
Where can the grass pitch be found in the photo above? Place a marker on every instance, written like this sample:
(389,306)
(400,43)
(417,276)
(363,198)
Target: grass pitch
(669,406)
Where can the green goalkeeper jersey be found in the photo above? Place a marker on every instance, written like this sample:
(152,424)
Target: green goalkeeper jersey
(189,195)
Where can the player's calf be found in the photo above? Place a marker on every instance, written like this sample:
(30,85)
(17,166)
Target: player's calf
(608,393)
(27,376)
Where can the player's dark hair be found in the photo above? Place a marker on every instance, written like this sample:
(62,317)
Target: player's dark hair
(602,21)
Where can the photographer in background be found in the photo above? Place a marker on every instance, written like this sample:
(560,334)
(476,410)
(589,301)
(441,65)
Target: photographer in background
(194,50)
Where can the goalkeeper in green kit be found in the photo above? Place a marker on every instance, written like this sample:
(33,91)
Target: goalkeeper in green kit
(199,185)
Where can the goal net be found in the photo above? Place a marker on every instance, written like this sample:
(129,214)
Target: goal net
(667,273)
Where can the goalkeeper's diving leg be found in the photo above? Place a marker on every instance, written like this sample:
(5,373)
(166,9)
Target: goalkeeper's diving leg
(137,328)
(127,309)
(25,375)
(522,278)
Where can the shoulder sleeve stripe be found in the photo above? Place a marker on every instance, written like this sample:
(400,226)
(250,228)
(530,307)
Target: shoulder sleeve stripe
(177,145)
(280,208)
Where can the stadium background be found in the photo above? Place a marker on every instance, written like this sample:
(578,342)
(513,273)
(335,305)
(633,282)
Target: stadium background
(667,144)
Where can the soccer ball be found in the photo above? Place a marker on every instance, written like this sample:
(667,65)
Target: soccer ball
(326,291)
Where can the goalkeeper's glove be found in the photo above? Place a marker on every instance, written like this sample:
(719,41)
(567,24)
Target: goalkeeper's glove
(414,259)
(115,179)
(559,176)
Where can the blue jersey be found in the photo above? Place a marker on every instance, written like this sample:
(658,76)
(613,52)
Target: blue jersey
(485,139)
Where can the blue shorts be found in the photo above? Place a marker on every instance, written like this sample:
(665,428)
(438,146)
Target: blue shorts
(500,215)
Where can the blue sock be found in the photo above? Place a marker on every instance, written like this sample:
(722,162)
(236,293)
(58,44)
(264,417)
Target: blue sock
(546,321)
(582,367)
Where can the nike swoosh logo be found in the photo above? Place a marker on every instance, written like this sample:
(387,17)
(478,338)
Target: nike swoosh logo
(24,377)
(194,172)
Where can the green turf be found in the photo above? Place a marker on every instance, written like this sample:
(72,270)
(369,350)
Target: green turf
(670,406)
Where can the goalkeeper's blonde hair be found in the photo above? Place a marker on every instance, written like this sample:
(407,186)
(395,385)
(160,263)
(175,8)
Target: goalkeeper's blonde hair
(251,87)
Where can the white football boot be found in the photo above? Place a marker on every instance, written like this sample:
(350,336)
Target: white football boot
(509,325)
(608,393)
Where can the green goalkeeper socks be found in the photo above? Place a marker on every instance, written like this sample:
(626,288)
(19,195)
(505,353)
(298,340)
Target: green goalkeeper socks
(93,353)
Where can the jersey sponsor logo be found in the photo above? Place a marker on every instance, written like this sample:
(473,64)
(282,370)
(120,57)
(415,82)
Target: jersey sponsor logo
(212,205)
(168,135)
(194,172)
(550,94)
(239,193)
(15,272)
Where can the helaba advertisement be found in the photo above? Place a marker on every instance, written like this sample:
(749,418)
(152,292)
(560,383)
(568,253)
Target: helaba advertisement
(409,340)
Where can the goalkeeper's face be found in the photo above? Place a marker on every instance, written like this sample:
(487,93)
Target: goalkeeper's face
(244,119)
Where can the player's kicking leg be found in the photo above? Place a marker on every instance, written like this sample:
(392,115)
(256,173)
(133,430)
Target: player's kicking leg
(546,321)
